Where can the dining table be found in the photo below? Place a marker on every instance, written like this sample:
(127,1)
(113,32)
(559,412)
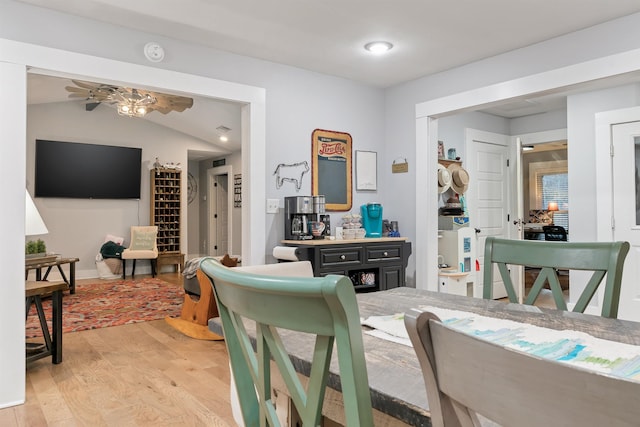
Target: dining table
(398,393)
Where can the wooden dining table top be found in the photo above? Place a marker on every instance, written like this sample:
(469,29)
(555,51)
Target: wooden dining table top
(395,378)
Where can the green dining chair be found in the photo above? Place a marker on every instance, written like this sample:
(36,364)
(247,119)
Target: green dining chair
(323,306)
(601,258)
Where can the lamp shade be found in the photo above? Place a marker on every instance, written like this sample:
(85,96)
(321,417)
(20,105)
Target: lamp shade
(33,224)
(552,206)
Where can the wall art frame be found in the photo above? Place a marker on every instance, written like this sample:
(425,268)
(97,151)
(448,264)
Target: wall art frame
(366,170)
(331,168)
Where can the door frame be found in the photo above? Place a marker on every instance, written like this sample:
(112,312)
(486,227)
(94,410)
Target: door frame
(533,138)
(561,79)
(16,60)
(604,167)
(517,191)
(211,176)
(604,176)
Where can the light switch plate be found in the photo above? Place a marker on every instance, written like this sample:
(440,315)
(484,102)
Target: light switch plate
(272,205)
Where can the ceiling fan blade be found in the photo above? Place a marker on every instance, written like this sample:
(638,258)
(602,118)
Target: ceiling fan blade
(90,106)
(85,85)
(79,95)
(101,96)
(181,107)
(163,110)
(75,89)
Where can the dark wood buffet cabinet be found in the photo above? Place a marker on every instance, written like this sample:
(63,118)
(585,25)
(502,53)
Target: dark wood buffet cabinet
(372,264)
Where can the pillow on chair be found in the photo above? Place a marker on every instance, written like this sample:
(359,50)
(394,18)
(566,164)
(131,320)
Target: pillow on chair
(143,240)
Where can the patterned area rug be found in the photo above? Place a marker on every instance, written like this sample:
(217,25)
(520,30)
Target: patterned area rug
(112,303)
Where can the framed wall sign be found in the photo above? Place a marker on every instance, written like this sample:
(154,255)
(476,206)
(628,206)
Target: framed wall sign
(331,168)
(366,170)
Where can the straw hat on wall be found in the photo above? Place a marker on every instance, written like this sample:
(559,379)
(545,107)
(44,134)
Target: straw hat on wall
(444,179)
(459,178)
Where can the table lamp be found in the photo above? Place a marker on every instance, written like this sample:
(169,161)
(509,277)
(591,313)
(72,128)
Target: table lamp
(33,224)
(552,207)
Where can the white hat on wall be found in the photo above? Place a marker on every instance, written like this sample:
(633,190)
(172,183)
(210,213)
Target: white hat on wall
(459,178)
(444,179)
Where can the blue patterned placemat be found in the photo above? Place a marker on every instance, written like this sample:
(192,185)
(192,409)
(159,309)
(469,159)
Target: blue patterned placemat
(568,346)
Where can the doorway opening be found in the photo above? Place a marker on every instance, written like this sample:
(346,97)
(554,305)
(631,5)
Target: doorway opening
(545,175)
(545,186)
(219,217)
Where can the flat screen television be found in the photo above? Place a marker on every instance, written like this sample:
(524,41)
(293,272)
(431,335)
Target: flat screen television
(87,171)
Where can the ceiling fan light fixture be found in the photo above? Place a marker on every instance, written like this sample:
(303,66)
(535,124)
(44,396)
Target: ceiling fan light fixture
(130,109)
(378,47)
(129,102)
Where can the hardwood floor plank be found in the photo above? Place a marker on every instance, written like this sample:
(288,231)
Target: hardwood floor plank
(8,418)
(52,402)
(132,375)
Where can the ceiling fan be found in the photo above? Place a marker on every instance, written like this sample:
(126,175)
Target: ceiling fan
(129,102)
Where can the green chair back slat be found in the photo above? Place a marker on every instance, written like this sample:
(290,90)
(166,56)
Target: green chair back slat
(604,259)
(323,306)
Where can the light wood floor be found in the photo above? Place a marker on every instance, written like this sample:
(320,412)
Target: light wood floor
(133,375)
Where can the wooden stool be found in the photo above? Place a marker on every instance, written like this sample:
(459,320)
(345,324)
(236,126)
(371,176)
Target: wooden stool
(52,341)
(196,312)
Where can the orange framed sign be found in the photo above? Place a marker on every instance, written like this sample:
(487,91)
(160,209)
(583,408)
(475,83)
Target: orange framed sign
(331,168)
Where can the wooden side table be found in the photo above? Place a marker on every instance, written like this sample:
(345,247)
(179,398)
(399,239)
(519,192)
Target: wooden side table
(34,291)
(49,264)
(170,258)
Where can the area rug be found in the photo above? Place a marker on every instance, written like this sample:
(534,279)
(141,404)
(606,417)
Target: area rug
(112,303)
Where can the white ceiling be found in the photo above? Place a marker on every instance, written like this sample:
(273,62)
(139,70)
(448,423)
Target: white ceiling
(328,36)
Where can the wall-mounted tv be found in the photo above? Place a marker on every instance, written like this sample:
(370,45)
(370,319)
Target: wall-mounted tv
(87,171)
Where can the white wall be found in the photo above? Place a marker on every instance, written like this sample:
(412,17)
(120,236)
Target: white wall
(297,101)
(12,310)
(617,36)
(77,227)
(193,214)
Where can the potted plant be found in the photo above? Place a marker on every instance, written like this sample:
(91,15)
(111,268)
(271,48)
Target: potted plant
(35,249)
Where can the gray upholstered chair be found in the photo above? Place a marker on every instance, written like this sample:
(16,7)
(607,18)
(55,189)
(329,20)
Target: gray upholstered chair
(143,245)
(466,376)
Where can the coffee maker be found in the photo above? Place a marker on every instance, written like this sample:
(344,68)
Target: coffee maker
(299,213)
(372,219)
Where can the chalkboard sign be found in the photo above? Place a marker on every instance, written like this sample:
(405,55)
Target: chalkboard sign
(331,168)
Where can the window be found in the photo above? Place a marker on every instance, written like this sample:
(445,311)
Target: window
(548,183)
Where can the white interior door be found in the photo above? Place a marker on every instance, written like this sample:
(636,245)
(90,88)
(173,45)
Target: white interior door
(626,211)
(222,214)
(488,196)
(219,219)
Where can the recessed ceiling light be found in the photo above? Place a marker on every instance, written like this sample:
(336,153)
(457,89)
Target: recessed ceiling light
(223,132)
(378,47)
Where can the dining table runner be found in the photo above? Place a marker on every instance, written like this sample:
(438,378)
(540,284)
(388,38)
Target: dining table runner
(568,346)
